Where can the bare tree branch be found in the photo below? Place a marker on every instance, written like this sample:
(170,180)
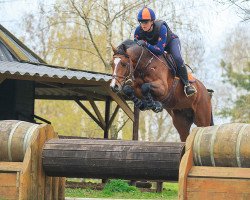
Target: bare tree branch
(126,9)
(242,5)
(84,17)
(77,49)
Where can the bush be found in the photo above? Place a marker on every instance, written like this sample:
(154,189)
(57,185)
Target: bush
(118,186)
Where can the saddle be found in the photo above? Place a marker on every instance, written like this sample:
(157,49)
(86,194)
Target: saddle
(171,63)
(173,67)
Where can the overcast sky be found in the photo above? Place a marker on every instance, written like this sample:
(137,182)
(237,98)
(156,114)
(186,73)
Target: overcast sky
(222,18)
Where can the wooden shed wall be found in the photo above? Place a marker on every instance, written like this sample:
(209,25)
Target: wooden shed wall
(17,100)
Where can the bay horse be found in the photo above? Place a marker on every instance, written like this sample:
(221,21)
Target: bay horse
(147,80)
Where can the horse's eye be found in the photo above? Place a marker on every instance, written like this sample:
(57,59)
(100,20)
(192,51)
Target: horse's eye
(123,64)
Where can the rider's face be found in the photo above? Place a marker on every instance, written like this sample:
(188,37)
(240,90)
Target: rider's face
(146,25)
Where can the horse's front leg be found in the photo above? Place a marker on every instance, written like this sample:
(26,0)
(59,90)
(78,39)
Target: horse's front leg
(130,93)
(146,89)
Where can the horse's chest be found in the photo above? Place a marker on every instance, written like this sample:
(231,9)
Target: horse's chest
(143,78)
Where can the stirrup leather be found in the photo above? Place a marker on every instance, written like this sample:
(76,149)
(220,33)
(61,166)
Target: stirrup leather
(195,91)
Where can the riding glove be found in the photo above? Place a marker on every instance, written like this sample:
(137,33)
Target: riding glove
(142,43)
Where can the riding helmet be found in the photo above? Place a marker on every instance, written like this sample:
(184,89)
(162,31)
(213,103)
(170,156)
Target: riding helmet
(146,14)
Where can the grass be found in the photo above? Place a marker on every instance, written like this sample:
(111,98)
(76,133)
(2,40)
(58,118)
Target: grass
(120,189)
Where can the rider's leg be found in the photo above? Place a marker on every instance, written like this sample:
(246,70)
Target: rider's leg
(175,49)
(188,89)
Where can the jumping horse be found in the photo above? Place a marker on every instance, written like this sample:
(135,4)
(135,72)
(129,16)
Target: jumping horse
(148,81)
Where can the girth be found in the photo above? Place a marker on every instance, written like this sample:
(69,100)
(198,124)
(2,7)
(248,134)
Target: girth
(169,101)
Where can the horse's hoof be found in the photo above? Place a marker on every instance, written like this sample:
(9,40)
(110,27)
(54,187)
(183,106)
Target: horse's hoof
(142,106)
(158,107)
(128,90)
(150,105)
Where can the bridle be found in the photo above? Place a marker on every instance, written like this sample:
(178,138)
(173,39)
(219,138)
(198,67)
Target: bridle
(123,77)
(128,80)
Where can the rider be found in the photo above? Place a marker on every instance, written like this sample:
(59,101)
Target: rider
(157,37)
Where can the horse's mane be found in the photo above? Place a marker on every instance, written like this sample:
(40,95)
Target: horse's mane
(121,49)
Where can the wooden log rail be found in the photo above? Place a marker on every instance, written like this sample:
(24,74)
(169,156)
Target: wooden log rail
(112,159)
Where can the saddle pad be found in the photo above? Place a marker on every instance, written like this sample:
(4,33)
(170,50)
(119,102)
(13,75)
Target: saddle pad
(191,78)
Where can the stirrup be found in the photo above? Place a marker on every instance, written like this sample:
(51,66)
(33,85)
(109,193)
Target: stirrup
(185,87)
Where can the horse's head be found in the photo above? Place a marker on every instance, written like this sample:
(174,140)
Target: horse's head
(122,67)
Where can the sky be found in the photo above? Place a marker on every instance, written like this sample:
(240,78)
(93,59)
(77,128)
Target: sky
(221,18)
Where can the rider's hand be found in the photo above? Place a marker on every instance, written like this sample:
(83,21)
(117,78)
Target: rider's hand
(142,43)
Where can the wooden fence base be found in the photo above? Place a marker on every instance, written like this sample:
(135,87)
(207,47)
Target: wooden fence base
(26,180)
(207,182)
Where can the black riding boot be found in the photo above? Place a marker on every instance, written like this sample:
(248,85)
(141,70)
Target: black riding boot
(189,90)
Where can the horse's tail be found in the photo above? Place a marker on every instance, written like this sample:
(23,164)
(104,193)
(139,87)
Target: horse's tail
(210,92)
(212,119)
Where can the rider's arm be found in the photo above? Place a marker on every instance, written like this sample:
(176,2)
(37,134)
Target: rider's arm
(158,49)
(136,33)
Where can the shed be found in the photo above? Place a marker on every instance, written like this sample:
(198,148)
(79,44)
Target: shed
(24,77)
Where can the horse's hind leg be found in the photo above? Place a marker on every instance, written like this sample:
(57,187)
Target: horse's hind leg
(203,115)
(156,106)
(182,121)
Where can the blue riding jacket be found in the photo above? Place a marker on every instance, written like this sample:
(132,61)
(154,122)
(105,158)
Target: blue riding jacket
(161,39)
(158,39)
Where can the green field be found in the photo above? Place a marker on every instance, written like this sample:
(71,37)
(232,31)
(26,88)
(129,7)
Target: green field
(120,189)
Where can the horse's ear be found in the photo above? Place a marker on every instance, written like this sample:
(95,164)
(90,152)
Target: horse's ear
(114,49)
(124,48)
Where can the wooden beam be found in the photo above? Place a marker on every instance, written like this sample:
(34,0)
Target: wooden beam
(121,102)
(219,172)
(97,112)
(63,85)
(77,91)
(185,166)
(89,113)
(136,123)
(2,78)
(60,97)
(107,116)
(42,119)
(113,116)
(88,93)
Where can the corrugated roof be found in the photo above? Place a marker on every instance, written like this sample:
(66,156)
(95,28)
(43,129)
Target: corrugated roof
(17,48)
(38,70)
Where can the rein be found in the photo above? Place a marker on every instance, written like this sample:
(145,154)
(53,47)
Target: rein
(138,61)
(130,78)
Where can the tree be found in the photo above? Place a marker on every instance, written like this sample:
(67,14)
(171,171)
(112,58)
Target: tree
(237,72)
(97,19)
(242,7)
(37,34)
